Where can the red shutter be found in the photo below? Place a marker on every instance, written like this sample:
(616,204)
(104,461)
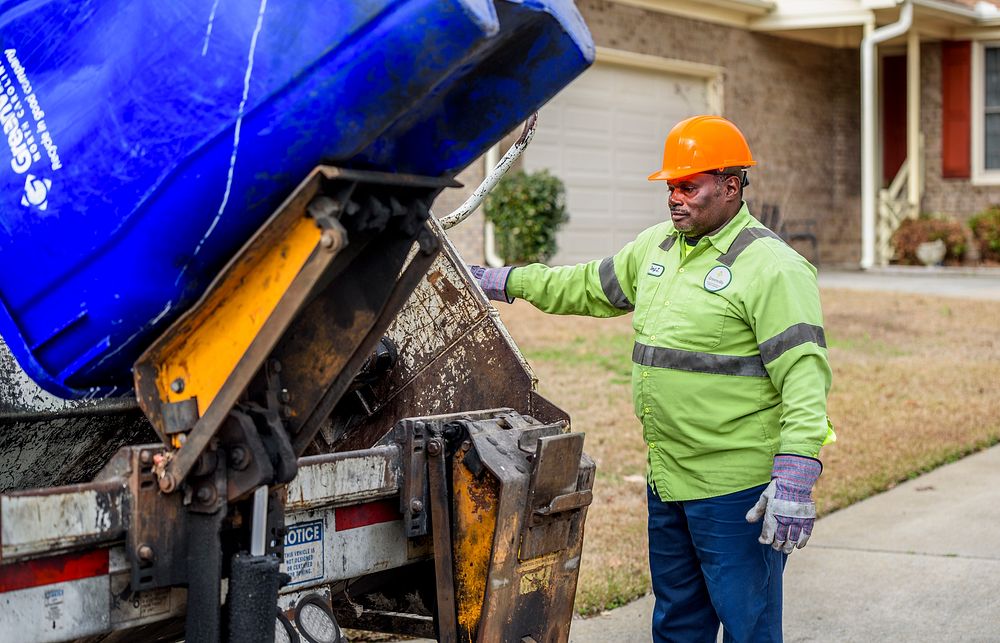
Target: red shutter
(956,106)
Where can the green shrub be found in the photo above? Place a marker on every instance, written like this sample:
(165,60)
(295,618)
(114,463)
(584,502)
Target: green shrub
(526,210)
(986,231)
(913,232)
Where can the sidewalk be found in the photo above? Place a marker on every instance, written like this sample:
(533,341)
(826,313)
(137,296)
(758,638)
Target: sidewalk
(920,562)
(983,283)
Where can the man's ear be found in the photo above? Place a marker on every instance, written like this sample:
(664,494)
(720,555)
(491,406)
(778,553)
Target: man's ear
(732,188)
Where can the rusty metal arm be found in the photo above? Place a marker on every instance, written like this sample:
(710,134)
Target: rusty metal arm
(474,201)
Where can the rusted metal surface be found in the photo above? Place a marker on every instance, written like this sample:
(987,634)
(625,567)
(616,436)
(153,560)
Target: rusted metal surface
(440,509)
(377,294)
(529,595)
(414,501)
(475,499)
(389,622)
(553,495)
(454,355)
(156,553)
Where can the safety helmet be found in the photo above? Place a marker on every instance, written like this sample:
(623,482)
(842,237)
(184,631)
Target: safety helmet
(703,144)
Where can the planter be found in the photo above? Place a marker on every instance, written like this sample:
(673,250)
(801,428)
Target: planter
(931,253)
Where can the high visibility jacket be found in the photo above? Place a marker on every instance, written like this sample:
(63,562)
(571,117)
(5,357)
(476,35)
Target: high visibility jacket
(730,362)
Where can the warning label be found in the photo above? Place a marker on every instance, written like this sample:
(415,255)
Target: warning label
(304,552)
(127,605)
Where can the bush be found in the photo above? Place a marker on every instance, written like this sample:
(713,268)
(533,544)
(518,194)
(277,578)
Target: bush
(913,232)
(986,231)
(526,210)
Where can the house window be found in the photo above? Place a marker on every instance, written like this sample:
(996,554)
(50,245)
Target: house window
(983,108)
(991,107)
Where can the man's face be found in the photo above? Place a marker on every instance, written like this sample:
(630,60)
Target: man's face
(701,204)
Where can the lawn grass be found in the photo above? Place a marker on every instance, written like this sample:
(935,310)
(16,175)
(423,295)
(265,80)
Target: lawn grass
(915,386)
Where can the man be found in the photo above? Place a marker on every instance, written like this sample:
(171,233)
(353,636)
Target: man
(729,379)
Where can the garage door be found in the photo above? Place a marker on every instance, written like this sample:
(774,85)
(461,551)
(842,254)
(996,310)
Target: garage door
(603,135)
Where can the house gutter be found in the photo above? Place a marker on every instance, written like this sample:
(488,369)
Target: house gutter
(868,43)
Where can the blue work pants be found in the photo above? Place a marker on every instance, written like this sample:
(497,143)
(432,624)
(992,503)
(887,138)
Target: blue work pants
(707,567)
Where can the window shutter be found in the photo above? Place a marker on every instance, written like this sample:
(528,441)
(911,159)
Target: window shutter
(956,106)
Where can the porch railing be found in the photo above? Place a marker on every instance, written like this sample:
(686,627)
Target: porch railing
(894,207)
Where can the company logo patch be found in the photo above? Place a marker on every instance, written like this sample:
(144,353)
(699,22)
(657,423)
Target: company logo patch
(718,278)
(655,270)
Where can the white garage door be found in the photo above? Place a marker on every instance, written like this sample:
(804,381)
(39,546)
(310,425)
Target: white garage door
(603,135)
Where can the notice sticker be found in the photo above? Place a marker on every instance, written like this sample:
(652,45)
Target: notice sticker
(54,597)
(304,552)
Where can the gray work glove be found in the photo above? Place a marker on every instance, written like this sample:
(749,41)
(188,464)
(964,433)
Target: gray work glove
(493,281)
(786,505)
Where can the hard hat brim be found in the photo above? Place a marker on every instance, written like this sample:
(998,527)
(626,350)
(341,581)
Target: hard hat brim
(665,175)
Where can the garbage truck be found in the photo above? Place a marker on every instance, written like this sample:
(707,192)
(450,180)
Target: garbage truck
(248,388)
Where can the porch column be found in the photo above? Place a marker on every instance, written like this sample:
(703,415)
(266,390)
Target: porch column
(868,147)
(914,154)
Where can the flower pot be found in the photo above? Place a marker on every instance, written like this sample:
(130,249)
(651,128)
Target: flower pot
(931,253)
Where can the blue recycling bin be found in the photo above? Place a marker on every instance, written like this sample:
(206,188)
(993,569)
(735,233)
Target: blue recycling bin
(148,140)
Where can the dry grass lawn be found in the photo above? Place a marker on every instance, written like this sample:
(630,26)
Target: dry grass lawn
(915,386)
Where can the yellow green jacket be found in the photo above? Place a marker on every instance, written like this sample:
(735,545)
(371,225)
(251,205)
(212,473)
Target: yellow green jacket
(730,362)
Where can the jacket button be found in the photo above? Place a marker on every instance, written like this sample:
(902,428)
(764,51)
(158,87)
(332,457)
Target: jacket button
(652,336)
(680,270)
(652,445)
(645,375)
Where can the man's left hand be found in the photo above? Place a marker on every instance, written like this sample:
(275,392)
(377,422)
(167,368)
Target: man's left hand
(786,505)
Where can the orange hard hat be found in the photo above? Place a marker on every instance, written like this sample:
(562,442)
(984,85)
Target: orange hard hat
(702,144)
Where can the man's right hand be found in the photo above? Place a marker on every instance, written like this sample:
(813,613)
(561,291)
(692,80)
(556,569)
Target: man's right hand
(493,281)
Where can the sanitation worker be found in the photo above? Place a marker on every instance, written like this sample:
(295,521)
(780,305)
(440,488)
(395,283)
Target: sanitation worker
(729,379)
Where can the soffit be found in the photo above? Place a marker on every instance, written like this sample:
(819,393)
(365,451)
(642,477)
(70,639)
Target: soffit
(838,23)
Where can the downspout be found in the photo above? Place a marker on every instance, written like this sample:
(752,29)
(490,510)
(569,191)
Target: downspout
(868,43)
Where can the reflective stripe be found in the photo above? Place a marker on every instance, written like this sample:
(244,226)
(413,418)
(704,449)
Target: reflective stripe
(668,243)
(612,289)
(789,338)
(659,357)
(744,239)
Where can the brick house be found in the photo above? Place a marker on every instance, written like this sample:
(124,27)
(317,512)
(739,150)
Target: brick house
(794,75)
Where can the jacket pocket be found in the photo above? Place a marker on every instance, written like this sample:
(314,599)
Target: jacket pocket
(703,324)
